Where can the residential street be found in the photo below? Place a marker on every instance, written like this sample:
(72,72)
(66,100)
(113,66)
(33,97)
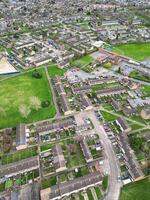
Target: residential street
(112,166)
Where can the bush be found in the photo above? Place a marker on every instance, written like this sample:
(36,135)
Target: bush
(36,74)
(108,65)
(45,103)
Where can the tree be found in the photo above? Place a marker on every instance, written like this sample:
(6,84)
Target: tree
(119,70)
(24,110)
(72,148)
(136,142)
(35,103)
(36,74)
(78,138)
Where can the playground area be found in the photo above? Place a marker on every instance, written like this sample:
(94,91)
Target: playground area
(5,66)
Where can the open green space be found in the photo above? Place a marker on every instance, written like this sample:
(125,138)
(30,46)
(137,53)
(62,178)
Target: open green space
(139,190)
(144,16)
(105,182)
(84,25)
(105,86)
(82,172)
(46,147)
(1,49)
(98,192)
(135,126)
(137,51)
(90,195)
(16,91)
(2,187)
(81,196)
(139,76)
(83,61)
(9,184)
(138,118)
(76,158)
(19,155)
(108,116)
(48,182)
(146,90)
(53,70)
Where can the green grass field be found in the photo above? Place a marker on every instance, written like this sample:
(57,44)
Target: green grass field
(20,155)
(53,70)
(139,190)
(1,49)
(139,76)
(83,61)
(108,116)
(146,90)
(45,183)
(16,91)
(137,51)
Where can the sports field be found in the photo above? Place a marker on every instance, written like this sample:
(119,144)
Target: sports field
(139,190)
(16,91)
(137,51)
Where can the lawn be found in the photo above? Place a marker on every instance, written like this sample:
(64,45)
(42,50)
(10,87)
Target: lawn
(2,187)
(139,76)
(53,70)
(46,147)
(108,116)
(137,118)
(81,197)
(46,183)
(137,51)
(90,195)
(105,183)
(16,91)
(73,159)
(98,192)
(135,127)
(8,184)
(83,61)
(1,49)
(84,25)
(146,90)
(19,155)
(139,190)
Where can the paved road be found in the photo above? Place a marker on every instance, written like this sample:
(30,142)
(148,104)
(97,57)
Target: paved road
(112,168)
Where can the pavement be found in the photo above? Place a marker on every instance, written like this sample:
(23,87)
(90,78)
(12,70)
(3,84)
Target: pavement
(111,165)
(53,93)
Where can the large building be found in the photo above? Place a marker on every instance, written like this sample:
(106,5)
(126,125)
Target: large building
(58,158)
(65,189)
